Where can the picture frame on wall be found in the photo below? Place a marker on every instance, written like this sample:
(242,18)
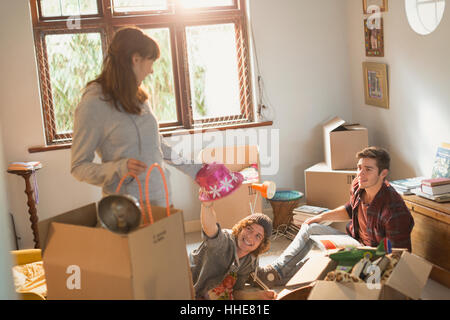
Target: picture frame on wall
(376,88)
(373,6)
(374,37)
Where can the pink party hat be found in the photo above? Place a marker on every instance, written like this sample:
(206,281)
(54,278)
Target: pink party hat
(217,181)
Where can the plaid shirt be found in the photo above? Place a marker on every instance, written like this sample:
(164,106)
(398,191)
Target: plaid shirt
(387,217)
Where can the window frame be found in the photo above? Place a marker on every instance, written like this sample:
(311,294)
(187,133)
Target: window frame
(176,19)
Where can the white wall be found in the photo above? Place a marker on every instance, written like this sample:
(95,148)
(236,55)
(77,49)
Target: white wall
(418,66)
(6,287)
(303,54)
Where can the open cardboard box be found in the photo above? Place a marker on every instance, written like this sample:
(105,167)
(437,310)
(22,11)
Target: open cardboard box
(235,206)
(406,281)
(82,261)
(342,142)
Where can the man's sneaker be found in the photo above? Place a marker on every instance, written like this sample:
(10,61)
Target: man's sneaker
(269,276)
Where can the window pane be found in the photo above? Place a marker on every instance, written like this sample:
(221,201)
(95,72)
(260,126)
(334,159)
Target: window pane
(73,60)
(55,8)
(205,3)
(160,84)
(213,70)
(139,5)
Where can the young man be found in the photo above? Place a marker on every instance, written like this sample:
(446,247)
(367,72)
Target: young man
(225,259)
(376,211)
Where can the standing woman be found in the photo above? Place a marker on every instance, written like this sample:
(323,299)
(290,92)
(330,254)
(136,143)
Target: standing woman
(115,120)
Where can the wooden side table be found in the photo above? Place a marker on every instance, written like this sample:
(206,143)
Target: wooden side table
(430,237)
(283,203)
(26,174)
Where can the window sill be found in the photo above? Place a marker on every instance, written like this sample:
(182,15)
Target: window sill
(168,133)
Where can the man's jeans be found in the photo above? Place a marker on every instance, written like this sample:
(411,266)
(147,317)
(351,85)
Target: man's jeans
(292,257)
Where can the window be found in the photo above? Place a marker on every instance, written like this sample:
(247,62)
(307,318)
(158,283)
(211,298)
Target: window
(202,78)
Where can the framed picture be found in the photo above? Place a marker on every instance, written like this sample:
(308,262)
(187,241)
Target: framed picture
(374,35)
(373,6)
(376,89)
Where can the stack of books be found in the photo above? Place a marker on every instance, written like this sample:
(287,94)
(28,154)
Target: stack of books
(436,189)
(24,166)
(304,212)
(405,186)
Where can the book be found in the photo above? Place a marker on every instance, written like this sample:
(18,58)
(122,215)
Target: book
(407,184)
(403,192)
(436,190)
(445,197)
(24,166)
(330,242)
(435,182)
(441,165)
(312,210)
(436,186)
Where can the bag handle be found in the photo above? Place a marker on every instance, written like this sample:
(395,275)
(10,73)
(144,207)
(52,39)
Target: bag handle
(140,190)
(147,179)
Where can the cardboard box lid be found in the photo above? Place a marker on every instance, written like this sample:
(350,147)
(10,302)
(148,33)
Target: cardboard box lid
(83,216)
(332,124)
(322,167)
(337,124)
(330,290)
(410,275)
(316,268)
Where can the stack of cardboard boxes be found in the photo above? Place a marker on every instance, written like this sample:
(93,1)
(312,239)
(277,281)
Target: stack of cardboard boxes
(328,183)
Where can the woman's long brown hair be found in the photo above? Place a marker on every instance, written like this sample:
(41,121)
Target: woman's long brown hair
(117,78)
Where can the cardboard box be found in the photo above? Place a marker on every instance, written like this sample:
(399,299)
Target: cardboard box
(328,188)
(407,280)
(236,206)
(85,262)
(315,268)
(342,142)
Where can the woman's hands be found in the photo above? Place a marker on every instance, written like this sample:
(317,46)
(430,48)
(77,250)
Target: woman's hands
(136,167)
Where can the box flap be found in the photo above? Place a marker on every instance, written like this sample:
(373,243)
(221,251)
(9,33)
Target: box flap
(83,216)
(410,275)
(315,268)
(328,127)
(330,290)
(355,126)
(332,124)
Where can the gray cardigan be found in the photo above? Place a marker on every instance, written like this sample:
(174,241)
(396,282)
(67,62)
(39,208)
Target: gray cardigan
(117,136)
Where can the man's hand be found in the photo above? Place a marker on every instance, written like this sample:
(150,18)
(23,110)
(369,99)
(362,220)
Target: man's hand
(136,166)
(316,219)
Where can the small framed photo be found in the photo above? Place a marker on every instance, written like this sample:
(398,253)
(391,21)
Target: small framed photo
(374,6)
(376,89)
(374,35)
